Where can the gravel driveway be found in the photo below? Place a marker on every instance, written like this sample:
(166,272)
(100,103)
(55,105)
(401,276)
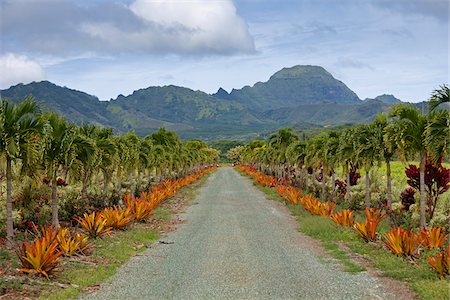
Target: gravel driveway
(236,245)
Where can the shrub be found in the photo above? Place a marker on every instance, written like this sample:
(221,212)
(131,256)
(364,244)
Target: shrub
(437,182)
(407,198)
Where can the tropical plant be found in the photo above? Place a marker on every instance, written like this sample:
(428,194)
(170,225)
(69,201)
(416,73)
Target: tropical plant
(409,133)
(41,257)
(117,217)
(432,237)
(94,225)
(343,218)
(367,229)
(59,153)
(20,126)
(402,242)
(441,262)
(436,181)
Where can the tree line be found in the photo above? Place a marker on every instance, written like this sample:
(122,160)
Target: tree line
(404,133)
(51,150)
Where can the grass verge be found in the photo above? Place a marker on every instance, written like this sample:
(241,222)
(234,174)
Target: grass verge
(341,242)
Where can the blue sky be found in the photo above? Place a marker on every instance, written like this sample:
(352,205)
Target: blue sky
(109,47)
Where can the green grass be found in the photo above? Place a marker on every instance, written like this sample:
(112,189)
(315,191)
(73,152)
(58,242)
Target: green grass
(418,275)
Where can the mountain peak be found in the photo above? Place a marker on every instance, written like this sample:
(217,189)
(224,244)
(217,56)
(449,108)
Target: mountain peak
(386,98)
(300,71)
(222,94)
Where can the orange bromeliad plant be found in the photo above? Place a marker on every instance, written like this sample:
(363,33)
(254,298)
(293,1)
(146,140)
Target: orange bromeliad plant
(367,230)
(402,242)
(116,217)
(432,237)
(40,257)
(343,218)
(441,262)
(94,225)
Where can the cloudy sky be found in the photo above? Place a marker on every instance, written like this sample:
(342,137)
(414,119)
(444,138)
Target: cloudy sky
(111,47)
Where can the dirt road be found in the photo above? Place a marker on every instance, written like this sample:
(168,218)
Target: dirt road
(236,244)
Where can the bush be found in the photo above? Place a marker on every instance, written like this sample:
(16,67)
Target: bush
(73,204)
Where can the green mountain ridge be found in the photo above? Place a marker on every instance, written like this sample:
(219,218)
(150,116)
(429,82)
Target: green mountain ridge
(300,96)
(291,87)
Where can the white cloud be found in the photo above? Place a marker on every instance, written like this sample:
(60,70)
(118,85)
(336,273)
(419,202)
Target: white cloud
(16,69)
(179,27)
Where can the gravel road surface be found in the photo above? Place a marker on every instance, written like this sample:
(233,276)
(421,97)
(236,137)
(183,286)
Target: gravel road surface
(236,245)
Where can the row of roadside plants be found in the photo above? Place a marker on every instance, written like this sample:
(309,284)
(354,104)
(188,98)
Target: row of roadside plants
(42,256)
(431,241)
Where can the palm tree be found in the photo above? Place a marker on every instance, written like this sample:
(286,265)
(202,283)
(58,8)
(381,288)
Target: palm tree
(86,152)
(18,123)
(386,149)
(438,134)
(58,153)
(347,156)
(439,96)
(332,158)
(133,144)
(409,132)
(367,152)
(279,142)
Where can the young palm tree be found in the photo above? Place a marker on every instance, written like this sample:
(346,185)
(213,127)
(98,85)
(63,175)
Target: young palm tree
(367,152)
(439,96)
(332,154)
(409,132)
(438,134)
(18,123)
(59,152)
(87,153)
(347,156)
(279,142)
(386,150)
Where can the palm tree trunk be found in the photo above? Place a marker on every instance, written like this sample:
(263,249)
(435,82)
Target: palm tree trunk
(333,187)
(9,208)
(367,189)
(388,184)
(138,186)
(423,222)
(84,182)
(306,180)
(119,187)
(105,182)
(55,220)
(131,185)
(347,192)
(314,181)
(324,185)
